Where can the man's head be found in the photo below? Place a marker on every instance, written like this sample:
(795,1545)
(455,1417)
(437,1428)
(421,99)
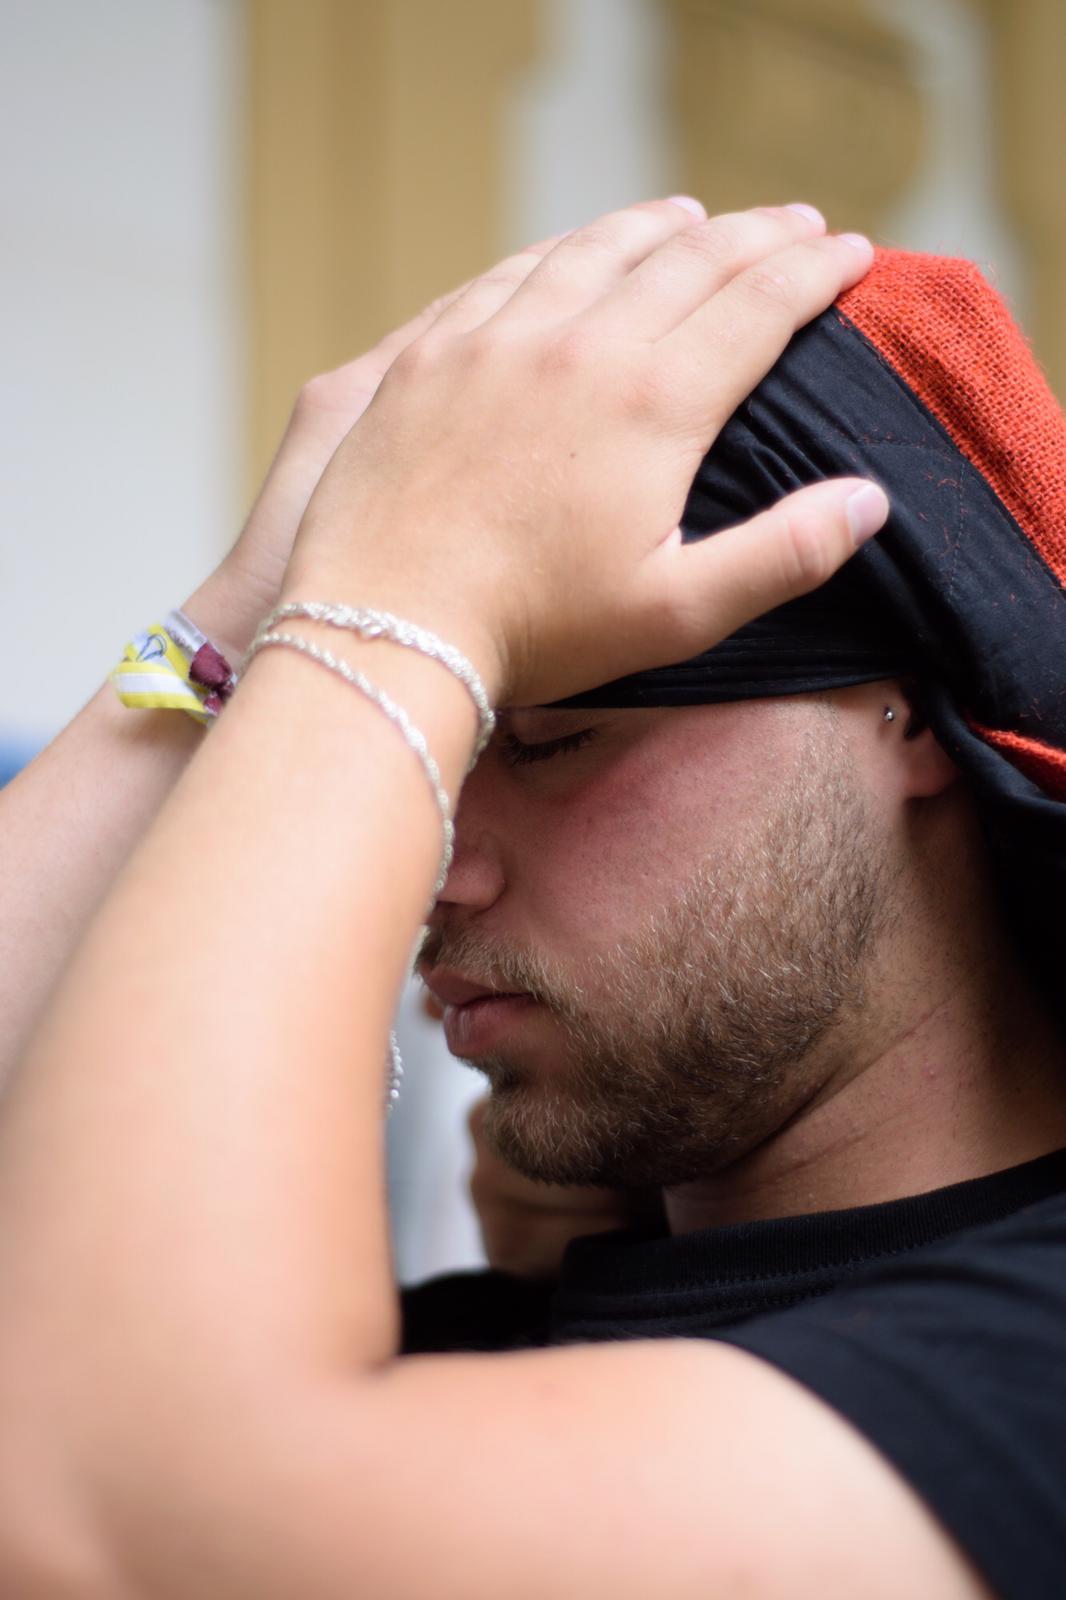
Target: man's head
(719,894)
(696,902)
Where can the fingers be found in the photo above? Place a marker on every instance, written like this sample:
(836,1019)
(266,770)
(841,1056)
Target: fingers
(725,580)
(376,362)
(678,277)
(476,1118)
(387,349)
(482,297)
(736,335)
(359,378)
(336,399)
(588,262)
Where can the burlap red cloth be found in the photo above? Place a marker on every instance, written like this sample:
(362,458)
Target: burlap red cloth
(952,339)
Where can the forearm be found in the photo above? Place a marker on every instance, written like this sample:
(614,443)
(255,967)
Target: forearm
(71,819)
(230,1150)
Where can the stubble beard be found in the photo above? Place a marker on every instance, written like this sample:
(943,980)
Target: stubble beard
(697,1038)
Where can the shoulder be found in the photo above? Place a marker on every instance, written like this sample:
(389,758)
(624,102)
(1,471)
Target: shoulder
(904,1435)
(675,1467)
(948,1360)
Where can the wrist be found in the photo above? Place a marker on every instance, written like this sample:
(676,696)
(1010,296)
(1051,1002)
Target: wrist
(431,609)
(228,607)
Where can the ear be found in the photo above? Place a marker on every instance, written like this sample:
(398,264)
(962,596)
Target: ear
(927,769)
(892,740)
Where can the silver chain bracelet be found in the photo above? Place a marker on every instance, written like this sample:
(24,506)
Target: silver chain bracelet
(416,741)
(413,737)
(392,1090)
(369,624)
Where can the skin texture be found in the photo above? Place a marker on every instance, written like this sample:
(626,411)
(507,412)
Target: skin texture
(690,1021)
(198,1371)
(745,984)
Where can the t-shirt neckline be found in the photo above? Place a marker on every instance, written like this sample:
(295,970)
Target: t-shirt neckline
(636,1260)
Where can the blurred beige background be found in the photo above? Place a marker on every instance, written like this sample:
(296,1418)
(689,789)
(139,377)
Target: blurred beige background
(206,201)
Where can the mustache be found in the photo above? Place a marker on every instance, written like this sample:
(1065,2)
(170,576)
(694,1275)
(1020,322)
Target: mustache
(496,965)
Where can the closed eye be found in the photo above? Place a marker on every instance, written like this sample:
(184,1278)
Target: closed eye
(516,754)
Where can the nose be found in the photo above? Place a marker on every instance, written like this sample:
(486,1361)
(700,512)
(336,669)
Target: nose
(476,879)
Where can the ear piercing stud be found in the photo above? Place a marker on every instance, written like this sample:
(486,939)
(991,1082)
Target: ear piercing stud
(890,715)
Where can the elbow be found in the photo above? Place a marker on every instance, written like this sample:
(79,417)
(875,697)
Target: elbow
(48,1549)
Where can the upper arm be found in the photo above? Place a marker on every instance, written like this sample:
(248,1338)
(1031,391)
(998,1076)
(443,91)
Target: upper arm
(671,1469)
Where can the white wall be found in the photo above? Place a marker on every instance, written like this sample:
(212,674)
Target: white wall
(120,426)
(590,128)
(952,207)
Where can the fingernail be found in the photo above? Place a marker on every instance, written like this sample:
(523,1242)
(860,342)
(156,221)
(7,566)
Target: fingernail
(867,511)
(810,212)
(858,241)
(688,204)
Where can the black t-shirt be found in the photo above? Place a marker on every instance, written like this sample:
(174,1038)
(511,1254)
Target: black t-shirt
(936,1325)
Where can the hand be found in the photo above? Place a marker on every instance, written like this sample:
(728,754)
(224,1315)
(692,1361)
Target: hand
(526,1226)
(518,481)
(326,408)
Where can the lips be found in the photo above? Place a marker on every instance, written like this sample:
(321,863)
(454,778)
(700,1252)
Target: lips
(481,1025)
(475,1016)
(451,990)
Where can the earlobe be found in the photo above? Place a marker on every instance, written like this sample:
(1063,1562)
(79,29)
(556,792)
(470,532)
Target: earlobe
(930,770)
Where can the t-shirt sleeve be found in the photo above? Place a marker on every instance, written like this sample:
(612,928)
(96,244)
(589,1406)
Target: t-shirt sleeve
(952,1362)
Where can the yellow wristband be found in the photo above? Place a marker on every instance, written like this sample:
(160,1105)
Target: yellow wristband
(155,673)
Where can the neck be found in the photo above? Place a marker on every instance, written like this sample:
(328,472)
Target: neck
(970,1084)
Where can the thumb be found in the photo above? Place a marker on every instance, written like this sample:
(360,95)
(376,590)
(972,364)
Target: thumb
(780,554)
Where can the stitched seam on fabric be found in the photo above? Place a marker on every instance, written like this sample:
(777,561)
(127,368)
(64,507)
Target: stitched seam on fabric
(766,1277)
(960,530)
(930,420)
(948,335)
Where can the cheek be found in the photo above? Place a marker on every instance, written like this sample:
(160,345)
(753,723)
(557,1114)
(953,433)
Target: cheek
(613,851)
(598,856)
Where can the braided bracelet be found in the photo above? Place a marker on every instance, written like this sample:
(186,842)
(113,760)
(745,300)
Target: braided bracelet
(370,624)
(413,737)
(174,666)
